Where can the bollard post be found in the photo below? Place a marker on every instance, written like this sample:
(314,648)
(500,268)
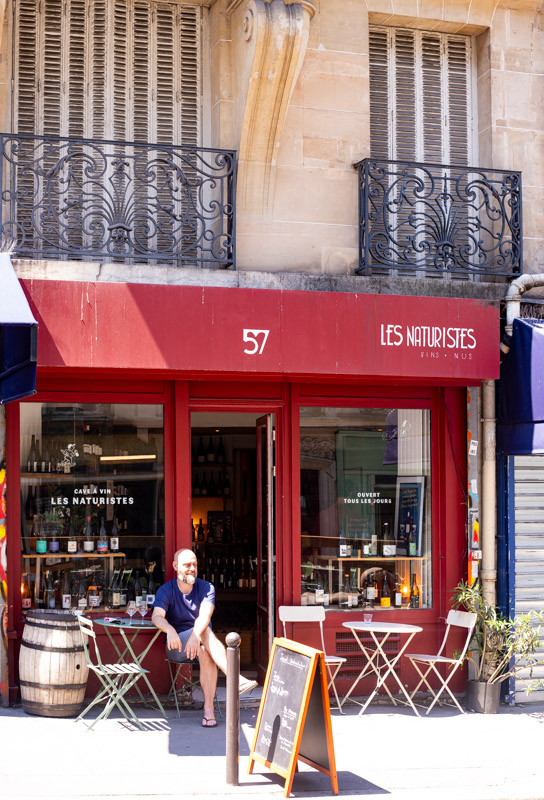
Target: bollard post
(232,641)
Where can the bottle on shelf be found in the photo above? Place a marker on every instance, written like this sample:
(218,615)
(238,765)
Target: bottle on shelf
(30,504)
(201,452)
(49,591)
(226,485)
(366,543)
(342,546)
(66,593)
(53,544)
(212,490)
(220,454)
(71,544)
(31,461)
(200,531)
(88,541)
(412,541)
(346,594)
(371,589)
(210,452)
(407,529)
(26,595)
(102,543)
(138,592)
(196,485)
(204,485)
(388,543)
(41,540)
(38,458)
(151,586)
(115,594)
(385,596)
(398,593)
(414,592)
(253,573)
(45,462)
(114,537)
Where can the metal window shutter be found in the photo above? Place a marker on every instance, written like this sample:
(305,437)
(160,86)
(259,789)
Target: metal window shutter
(529,551)
(127,69)
(420,101)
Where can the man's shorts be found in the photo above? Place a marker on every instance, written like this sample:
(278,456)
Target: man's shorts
(176,655)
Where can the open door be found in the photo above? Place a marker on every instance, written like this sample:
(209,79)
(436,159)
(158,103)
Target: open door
(265,541)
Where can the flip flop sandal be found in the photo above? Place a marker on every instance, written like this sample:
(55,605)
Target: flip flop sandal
(206,722)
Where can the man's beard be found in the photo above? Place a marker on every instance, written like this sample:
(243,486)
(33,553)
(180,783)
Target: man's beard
(190,579)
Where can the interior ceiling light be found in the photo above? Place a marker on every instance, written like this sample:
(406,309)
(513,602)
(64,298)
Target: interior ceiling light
(120,459)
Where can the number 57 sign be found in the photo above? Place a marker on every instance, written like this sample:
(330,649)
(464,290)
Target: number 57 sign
(257,339)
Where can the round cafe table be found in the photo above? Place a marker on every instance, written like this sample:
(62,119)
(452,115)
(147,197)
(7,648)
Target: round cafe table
(375,652)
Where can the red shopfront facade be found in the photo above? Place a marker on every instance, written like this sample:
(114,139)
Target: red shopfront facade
(328,414)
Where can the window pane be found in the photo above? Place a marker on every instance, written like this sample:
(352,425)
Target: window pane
(92,504)
(365,507)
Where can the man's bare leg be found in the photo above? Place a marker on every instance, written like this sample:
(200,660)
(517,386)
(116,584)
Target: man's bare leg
(208,681)
(218,653)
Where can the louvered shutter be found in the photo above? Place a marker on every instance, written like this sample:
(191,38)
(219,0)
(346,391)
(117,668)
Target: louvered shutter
(420,96)
(113,69)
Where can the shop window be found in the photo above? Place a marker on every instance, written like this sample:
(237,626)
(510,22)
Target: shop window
(92,504)
(365,477)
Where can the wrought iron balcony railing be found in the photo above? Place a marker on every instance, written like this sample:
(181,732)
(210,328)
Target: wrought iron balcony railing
(83,199)
(431,220)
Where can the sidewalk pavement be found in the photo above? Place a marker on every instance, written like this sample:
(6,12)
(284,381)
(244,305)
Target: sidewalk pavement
(387,752)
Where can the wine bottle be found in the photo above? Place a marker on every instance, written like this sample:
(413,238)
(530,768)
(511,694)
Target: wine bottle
(53,545)
(412,541)
(398,593)
(26,597)
(347,591)
(102,544)
(388,544)
(30,505)
(38,458)
(211,486)
(71,546)
(201,452)
(200,531)
(210,452)
(138,594)
(49,591)
(88,541)
(385,598)
(151,589)
(204,485)
(414,592)
(66,594)
(114,589)
(374,544)
(371,589)
(342,546)
(220,454)
(196,485)
(226,485)
(39,533)
(31,458)
(114,537)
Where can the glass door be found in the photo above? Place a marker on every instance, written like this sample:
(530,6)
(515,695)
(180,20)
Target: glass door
(265,541)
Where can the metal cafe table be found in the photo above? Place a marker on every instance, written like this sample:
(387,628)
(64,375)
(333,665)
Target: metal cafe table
(375,652)
(130,630)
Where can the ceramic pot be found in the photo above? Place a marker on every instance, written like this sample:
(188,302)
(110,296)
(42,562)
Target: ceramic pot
(483,697)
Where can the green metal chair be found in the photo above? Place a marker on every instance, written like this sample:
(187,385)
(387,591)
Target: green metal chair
(116,679)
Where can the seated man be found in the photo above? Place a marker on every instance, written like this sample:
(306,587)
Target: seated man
(183,610)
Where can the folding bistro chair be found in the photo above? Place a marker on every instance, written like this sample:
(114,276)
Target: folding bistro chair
(174,668)
(116,679)
(314,614)
(455,619)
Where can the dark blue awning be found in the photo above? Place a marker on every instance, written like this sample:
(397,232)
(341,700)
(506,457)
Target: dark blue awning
(18,337)
(520,418)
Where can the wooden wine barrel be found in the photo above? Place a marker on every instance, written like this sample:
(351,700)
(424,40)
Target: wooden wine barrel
(53,669)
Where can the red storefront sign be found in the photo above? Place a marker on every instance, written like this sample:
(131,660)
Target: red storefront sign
(239,331)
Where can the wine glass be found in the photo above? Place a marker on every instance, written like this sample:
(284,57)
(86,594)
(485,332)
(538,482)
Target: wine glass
(131,609)
(143,610)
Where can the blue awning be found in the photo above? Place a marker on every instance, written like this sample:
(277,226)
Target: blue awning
(520,417)
(18,337)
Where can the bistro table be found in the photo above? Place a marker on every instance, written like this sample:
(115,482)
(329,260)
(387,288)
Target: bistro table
(129,630)
(372,656)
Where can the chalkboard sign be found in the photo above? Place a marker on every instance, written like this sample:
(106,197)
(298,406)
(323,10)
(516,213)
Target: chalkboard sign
(295,693)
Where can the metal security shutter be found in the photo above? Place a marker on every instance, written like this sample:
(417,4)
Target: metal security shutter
(420,96)
(529,550)
(108,69)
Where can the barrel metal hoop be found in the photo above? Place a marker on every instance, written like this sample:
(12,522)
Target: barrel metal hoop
(45,648)
(66,627)
(54,686)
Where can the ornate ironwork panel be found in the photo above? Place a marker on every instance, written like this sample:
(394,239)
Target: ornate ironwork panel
(81,199)
(438,220)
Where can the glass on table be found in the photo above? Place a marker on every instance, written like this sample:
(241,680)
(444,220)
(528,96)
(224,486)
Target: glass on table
(131,609)
(143,610)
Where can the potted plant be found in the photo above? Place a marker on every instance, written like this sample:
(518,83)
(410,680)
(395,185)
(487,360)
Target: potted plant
(501,648)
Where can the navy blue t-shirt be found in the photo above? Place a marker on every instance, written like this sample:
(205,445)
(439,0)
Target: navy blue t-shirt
(183,609)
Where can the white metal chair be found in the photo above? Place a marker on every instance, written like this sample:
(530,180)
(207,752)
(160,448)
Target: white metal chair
(455,619)
(314,614)
(116,679)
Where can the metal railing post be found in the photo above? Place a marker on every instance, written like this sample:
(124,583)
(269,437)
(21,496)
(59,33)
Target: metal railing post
(233,707)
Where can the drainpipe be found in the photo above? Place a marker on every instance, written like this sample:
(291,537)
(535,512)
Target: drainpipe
(488,573)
